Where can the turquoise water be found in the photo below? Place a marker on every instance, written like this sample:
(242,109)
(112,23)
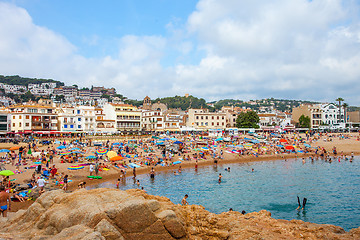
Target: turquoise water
(332,189)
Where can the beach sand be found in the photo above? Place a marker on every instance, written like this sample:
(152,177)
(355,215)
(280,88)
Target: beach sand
(347,146)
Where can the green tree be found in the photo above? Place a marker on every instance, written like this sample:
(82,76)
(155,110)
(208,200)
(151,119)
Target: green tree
(248,120)
(345,106)
(304,121)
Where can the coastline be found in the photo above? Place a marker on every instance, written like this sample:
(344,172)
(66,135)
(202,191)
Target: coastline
(191,164)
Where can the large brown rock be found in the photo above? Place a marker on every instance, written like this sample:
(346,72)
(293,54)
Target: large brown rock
(131,215)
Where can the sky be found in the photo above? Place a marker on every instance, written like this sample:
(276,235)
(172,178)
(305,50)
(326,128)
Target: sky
(213,49)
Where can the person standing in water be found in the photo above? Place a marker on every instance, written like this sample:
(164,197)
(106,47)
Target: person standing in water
(220,177)
(152,173)
(184,201)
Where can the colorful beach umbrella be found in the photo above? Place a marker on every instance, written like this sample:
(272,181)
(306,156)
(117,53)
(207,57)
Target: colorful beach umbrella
(116,158)
(75,167)
(289,147)
(102,151)
(90,157)
(6,173)
(66,153)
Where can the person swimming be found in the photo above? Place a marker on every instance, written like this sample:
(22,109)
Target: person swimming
(303,204)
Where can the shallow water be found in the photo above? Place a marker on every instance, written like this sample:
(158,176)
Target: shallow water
(332,189)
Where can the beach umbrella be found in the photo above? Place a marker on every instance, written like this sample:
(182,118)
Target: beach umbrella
(90,157)
(111,154)
(75,148)
(65,153)
(283,140)
(116,143)
(57,142)
(289,147)
(14,148)
(178,142)
(6,173)
(307,145)
(36,154)
(61,147)
(77,152)
(280,146)
(219,139)
(154,137)
(173,139)
(4,150)
(116,158)
(75,167)
(102,151)
(205,148)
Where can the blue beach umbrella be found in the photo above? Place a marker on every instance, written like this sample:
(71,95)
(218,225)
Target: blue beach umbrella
(61,147)
(90,157)
(178,142)
(4,150)
(280,146)
(307,145)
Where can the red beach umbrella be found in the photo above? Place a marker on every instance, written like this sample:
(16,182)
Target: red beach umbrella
(289,147)
(283,140)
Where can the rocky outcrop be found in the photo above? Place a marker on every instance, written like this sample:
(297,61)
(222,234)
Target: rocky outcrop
(115,214)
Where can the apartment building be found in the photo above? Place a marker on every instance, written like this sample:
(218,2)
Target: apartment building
(203,119)
(127,117)
(33,118)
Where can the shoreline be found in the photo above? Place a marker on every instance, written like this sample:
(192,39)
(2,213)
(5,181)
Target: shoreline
(191,164)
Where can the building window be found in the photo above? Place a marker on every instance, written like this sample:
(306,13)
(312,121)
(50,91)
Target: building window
(197,117)
(79,119)
(13,124)
(79,126)
(20,117)
(13,117)
(27,124)
(27,117)
(78,111)
(19,124)
(65,126)
(71,126)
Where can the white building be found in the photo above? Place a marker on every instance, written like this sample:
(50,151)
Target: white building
(77,119)
(152,120)
(332,115)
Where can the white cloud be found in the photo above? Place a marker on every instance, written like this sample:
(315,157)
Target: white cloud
(251,49)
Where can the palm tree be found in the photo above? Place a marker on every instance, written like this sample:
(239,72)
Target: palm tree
(345,105)
(339,99)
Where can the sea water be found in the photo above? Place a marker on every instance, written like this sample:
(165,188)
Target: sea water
(332,189)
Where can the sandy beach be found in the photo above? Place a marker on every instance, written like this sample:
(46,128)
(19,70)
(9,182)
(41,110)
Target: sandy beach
(345,144)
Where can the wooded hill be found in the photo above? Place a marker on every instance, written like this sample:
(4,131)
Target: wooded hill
(17,80)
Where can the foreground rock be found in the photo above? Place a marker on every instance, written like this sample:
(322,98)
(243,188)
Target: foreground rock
(132,214)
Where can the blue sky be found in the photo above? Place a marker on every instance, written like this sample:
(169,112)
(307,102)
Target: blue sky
(241,49)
